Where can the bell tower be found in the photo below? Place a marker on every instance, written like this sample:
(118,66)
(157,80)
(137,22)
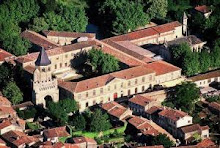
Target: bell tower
(185,25)
(45,87)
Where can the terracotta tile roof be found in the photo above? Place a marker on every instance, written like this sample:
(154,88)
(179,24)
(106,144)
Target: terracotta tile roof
(101,81)
(141,100)
(29,68)
(162,67)
(167,27)
(57,51)
(203,9)
(7,111)
(110,105)
(173,114)
(68,34)
(4,102)
(154,109)
(153,31)
(143,125)
(22,105)
(208,75)
(194,128)
(68,145)
(18,138)
(4,54)
(206,143)
(56,132)
(38,39)
(155,146)
(215,105)
(5,124)
(78,140)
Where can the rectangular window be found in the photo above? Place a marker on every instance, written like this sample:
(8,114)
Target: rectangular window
(94,92)
(101,90)
(136,81)
(65,64)
(143,79)
(79,96)
(57,58)
(129,83)
(87,94)
(121,85)
(150,78)
(87,104)
(61,65)
(108,88)
(66,55)
(55,66)
(48,68)
(115,86)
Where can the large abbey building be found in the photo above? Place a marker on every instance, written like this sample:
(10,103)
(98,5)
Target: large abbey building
(51,73)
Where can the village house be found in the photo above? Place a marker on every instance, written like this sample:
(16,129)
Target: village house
(171,120)
(84,142)
(186,133)
(6,109)
(5,56)
(204,80)
(153,113)
(204,10)
(2,143)
(140,103)
(54,134)
(9,124)
(116,111)
(17,139)
(215,108)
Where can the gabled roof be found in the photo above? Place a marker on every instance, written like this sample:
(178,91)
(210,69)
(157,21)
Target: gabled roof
(215,105)
(42,59)
(56,132)
(141,100)
(173,114)
(208,75)
(4,102)
(68,34)
(4,54)
(78,140)
(203,9)
(194,128)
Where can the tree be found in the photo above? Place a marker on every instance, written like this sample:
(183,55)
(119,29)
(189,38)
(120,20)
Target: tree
(6,74)
(39,24)
(122,15)
(102,63)
(190,64)
(215,54)
(68,105)
(13,93)
(162,139)
(185,96)
(205,61)
(79,122)
(99,121)
(157,9)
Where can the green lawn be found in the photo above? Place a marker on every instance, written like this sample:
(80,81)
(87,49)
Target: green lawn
(33,126)
(96,134)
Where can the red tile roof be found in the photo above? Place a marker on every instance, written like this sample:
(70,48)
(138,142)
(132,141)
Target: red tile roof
(194,128)
(143,125)
(203,9)
(114,109)
(7,111)
(153,31)
(4,102)
(4,54)
(68,34)
(78,140)
(154,109)
(208,75)
(162,67)
(56,132)
(173,114)
(38,39)
(215,105)
(5,124)
(206,143)
(141,100)
(101,81)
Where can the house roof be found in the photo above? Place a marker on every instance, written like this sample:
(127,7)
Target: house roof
(206,143)
(68,34)
(42,59)
(154,109)
(203,9)
(141,100)
(162,67)
(103,80)
(114,109)
(4,102)
(5,124)
(152,31)
(38,39)
(155,146)
(25,104)
(143,125)
(208,75)
(4,54)
(215,105)
(7,111)
(78,140)
(56,132)
(173,114)
(191,40)
(193,128)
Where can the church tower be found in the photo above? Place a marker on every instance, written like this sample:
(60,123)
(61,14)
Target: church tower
(45,87)
(185,18)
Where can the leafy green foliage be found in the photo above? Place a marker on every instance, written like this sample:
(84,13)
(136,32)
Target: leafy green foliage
(99,121)
(184,97)
(79,122)
(157,9)
(102,63)
(68,105)
(124,15)
(162,139)
(6,74)
(27,114)
(13,93)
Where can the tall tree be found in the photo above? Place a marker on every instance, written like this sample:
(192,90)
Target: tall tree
(13,93)
(68,105)
(162,139)
(205,61)
(190,64)
(157,9)
(79,122)
(39,24)
(6,74)
(99,121)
